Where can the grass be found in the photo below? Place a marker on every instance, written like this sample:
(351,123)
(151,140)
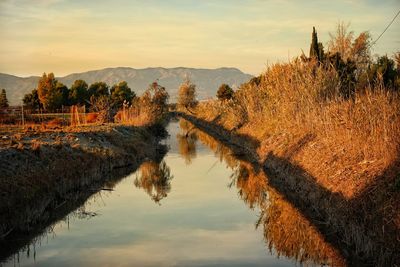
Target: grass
(348,139)
(337,156)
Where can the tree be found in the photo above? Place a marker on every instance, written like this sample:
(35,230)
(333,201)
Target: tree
(31,100)
(225,92)
(101,105)
(98,89)
(159,97)
(187,95)
(315,48)
(341,41)
(46,85)
(3,99)
(79,93)
(361,50)
(350,49)
(121,92)
(384,69)
(57,97)
(346,72)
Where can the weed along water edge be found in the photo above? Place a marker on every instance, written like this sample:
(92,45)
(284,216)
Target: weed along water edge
(200,205)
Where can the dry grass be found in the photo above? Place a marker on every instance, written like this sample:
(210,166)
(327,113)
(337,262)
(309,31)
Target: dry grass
(357,138)
(136,115)
(147,109)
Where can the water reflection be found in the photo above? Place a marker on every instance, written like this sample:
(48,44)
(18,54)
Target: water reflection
(64,206)
(26,244)
(187,141)
(193,224)
(286,231)
(155,179)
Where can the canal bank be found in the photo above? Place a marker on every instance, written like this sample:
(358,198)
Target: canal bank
(41,172)
(362,227)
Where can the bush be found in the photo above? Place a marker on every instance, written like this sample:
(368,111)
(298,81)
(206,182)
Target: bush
(225,92)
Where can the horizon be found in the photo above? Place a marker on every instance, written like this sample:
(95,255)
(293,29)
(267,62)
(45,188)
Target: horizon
(68,36)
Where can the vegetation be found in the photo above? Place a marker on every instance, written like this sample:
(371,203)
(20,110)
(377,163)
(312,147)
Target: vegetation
(119,103)
(51,95)
(146,109)
(46,86)
(328,113)
(98,89)
(78,94)
(3,99)
(121,93)
(225,92)
(386,71)
(316,48)
(31,100)
(187,95)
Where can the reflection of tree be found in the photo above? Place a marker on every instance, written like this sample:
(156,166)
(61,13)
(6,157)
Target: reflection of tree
(155,179)
(187,141)
(286,230)
(187,146)
(185,125)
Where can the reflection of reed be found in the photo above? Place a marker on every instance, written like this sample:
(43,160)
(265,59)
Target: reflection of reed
(251,185)
(289,233)
(155,179)
(222,152)
(286,230)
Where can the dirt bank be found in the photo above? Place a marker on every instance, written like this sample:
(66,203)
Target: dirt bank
(41,171)
(363,227)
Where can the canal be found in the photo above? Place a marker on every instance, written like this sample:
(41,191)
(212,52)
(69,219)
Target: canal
(198,206)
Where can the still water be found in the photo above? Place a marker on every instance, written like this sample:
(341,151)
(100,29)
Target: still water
(199,206)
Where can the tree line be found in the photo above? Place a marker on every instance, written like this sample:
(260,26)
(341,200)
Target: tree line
(51,94)
(351,58)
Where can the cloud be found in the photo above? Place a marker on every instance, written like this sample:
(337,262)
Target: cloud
(213,33)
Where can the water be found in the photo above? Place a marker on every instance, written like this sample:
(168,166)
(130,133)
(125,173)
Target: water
(198,207)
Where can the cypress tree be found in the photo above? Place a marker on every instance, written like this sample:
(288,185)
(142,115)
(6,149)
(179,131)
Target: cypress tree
(314,48)
(3,99)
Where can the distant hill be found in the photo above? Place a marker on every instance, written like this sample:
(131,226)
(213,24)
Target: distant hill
(206,80)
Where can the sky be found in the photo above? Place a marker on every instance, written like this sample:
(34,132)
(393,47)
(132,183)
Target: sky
(68,36)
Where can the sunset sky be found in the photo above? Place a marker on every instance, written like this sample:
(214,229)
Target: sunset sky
(65,36)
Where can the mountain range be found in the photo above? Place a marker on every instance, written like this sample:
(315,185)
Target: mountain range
(207,81)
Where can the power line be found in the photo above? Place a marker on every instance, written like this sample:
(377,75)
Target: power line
(387,27)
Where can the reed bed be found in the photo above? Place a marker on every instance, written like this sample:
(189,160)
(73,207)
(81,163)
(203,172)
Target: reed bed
(295,100)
